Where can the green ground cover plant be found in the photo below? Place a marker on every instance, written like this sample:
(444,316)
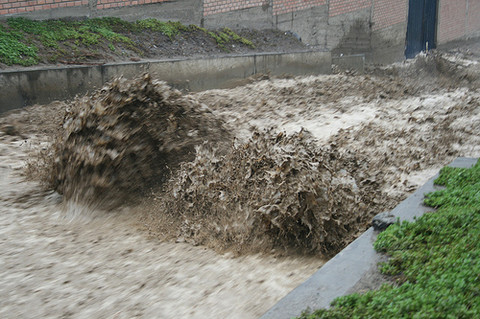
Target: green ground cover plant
(226,36)
(436,259)
(23,40)
(14,51)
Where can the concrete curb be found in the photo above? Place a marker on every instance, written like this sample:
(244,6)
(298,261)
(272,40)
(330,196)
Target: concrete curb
(340,274)
(354,62)
(43,85)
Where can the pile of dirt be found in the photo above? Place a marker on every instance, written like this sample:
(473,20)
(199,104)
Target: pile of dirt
(105,40)
(125,138)
(276,191)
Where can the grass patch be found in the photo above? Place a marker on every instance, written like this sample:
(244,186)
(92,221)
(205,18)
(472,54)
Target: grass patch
(21,38)
(170,28)
(14,51)
(437,257)
(52,32)
(227,36)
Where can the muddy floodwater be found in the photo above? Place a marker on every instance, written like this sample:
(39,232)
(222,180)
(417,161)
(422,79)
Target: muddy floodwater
(59,259)
(83,264)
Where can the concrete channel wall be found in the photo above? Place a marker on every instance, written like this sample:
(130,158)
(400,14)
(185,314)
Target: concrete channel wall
(43,85)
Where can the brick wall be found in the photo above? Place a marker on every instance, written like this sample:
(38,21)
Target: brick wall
(387,13)
(107,4)
(345,6)
(473,17)
(451,20)
(286,6)
(221,6)
(22,6)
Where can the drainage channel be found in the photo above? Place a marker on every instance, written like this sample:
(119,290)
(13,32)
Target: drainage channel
(42,85)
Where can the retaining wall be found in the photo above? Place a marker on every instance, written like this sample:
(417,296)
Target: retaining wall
(43,85)
(344,26)
(376,28)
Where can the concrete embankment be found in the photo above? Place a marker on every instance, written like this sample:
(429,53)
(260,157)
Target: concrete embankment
(25,87)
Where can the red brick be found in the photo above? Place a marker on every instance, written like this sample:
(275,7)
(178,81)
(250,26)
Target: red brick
(387,13)
(452,15)
(473,17)
(338,7)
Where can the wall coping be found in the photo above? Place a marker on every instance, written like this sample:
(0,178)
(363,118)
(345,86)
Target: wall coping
(42,85)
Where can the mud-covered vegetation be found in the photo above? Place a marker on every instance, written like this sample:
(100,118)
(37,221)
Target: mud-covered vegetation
(435,259)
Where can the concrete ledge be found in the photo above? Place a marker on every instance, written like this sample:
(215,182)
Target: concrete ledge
(43,85)
(340,274)
(354,62)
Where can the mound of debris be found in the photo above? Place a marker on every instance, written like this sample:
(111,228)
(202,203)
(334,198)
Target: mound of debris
(127,137)
(273,192)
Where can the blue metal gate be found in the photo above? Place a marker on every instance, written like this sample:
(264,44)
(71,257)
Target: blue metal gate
(422,20)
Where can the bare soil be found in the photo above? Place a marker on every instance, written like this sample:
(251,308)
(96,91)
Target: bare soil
(65,259)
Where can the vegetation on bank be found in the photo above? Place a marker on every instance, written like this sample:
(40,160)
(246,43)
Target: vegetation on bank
(435,260)
(22,40)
